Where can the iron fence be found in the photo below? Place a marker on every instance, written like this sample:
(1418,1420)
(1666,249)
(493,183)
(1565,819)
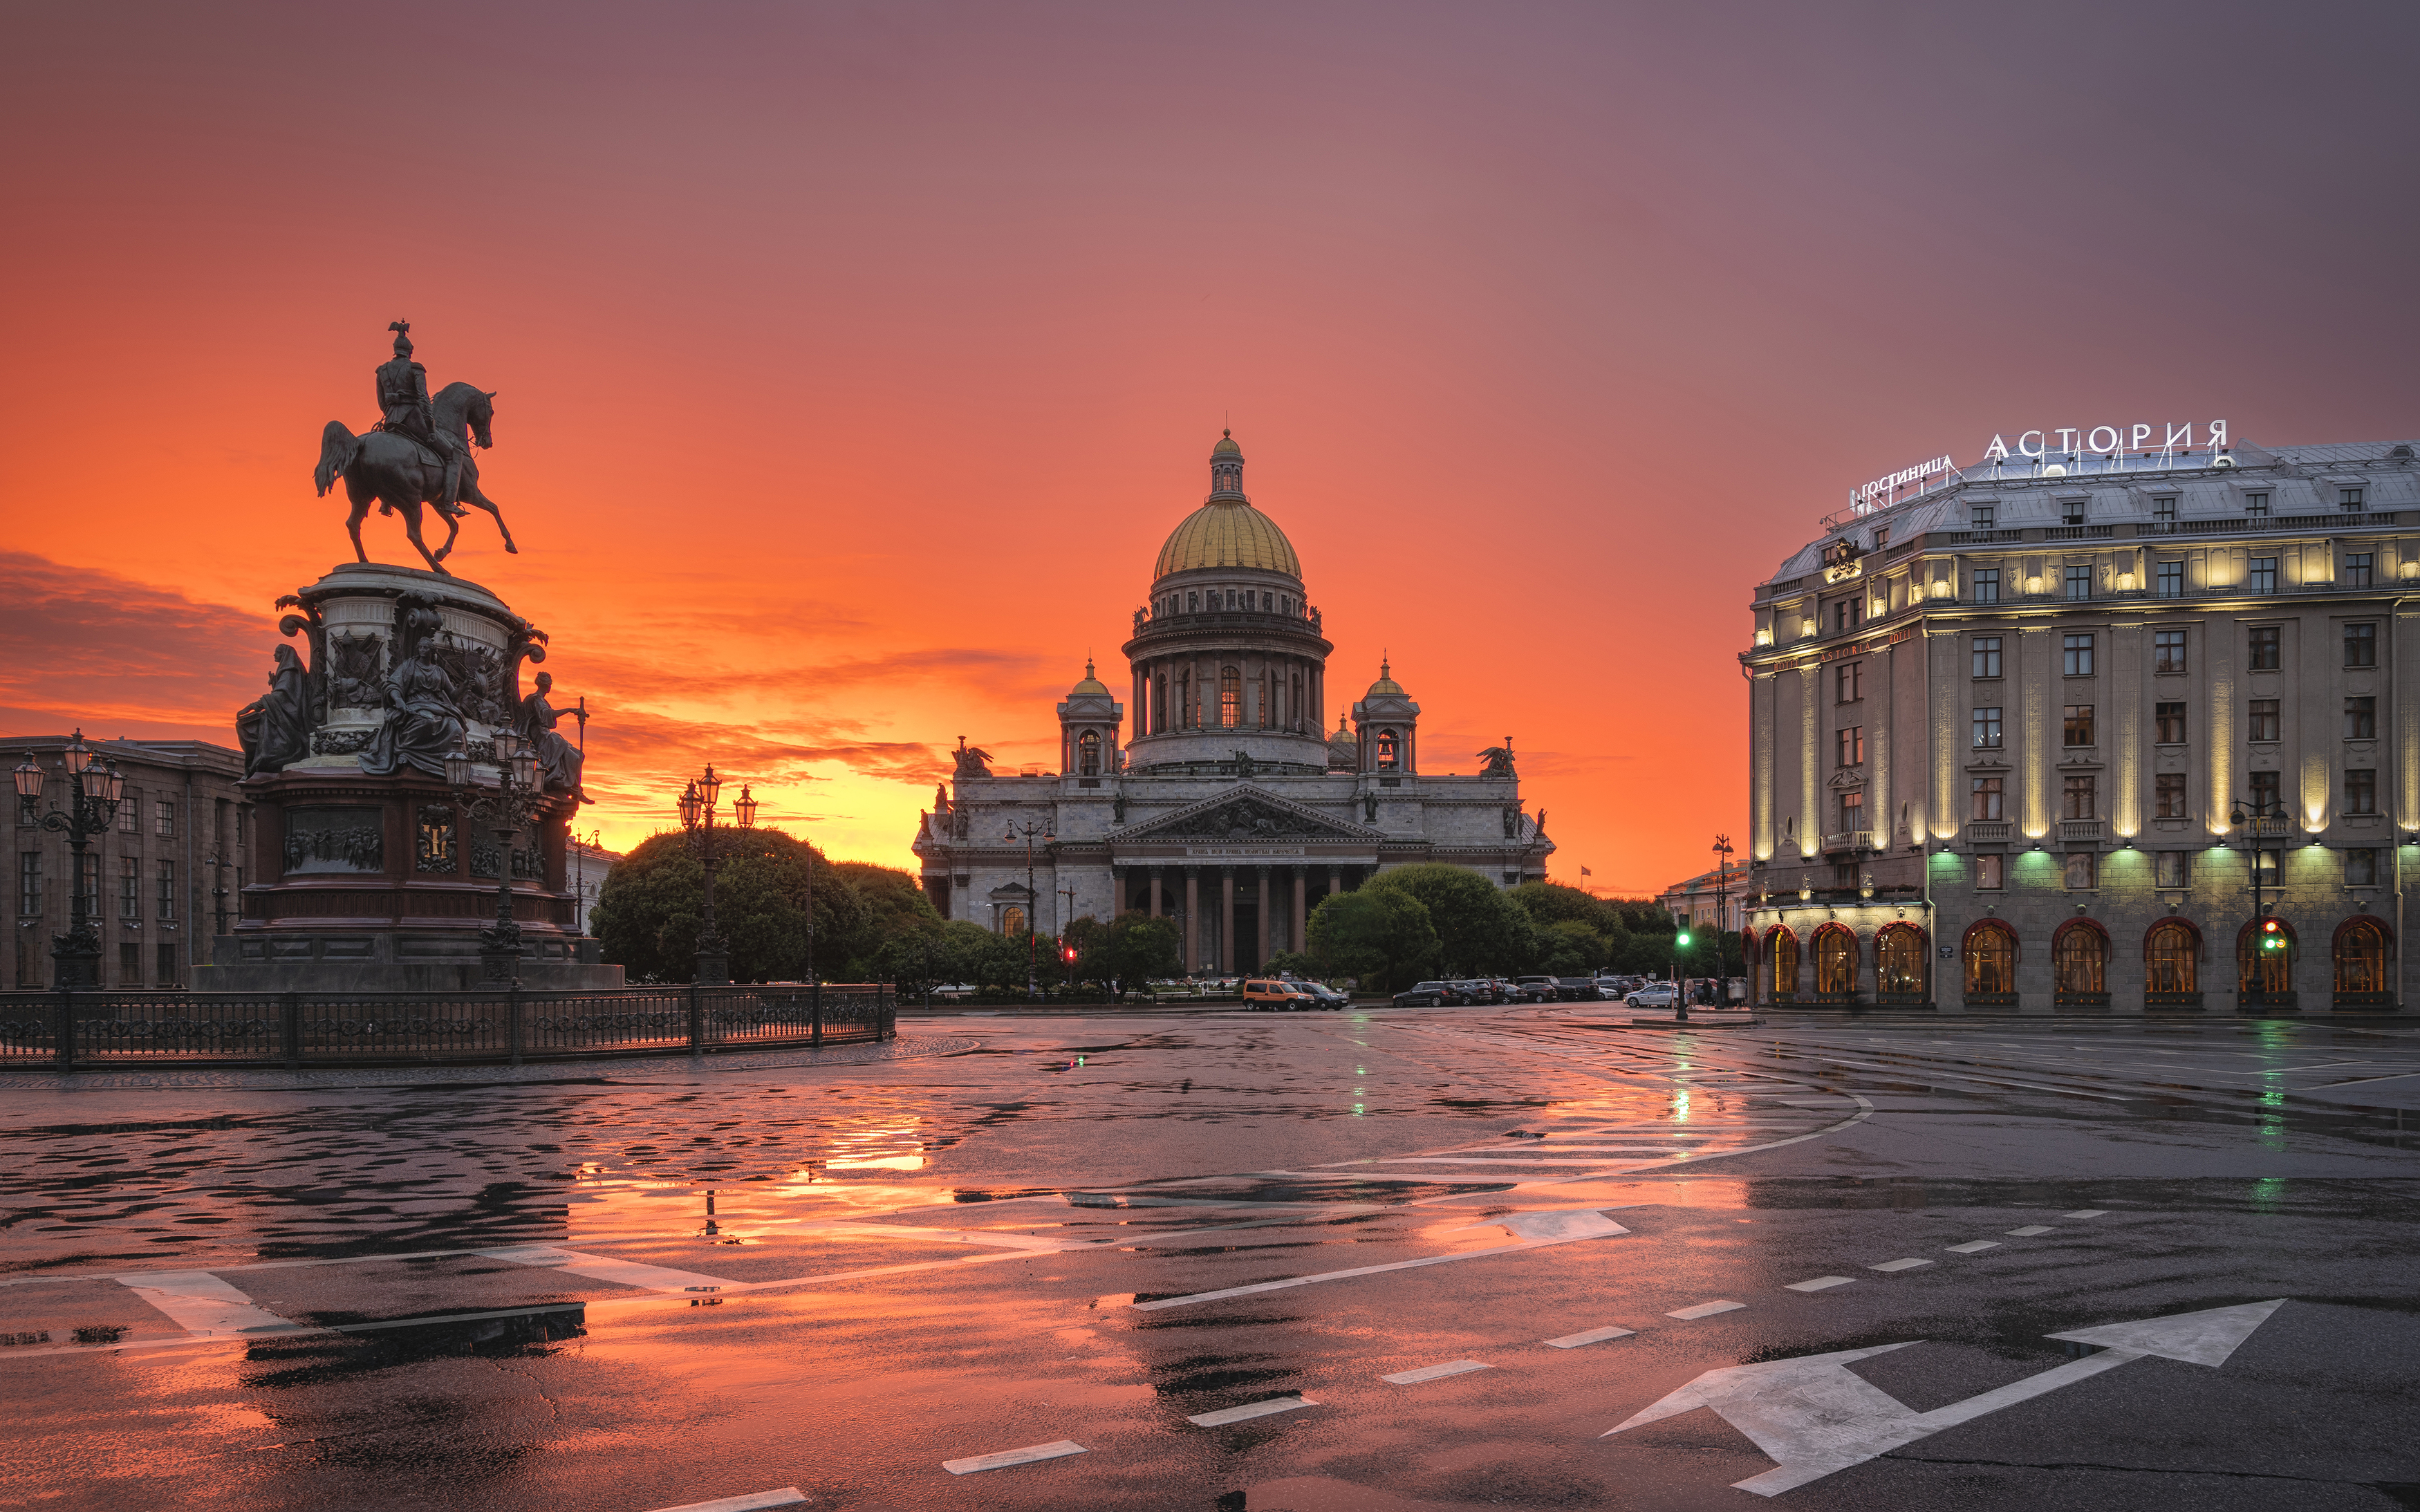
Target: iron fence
(73,1031)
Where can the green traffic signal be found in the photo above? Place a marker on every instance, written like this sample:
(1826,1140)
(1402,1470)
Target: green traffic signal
(1682,939)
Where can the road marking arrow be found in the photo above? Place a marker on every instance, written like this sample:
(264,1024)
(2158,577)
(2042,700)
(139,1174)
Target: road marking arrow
(1813,1417)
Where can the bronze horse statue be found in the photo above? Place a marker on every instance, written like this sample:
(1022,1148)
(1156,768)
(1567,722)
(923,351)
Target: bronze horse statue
(399,473)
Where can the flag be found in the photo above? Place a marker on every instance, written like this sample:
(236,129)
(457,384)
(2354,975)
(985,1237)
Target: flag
(1586,873)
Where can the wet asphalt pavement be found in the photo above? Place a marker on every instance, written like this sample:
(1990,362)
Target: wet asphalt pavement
(1400,1262)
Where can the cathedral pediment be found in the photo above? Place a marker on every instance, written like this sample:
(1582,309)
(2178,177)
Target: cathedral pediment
(1247,813)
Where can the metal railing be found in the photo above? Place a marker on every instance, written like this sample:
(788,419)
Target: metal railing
(95,1029)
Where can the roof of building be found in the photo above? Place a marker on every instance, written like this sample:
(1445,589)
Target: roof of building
(1386,685)
(1228,532)
(1090,684)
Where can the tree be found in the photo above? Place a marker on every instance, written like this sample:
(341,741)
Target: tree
(1379,934)
(651,909)
(1480,930)
(895,910)
(1136,949)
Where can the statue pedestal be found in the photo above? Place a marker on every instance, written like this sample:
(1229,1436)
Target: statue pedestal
(381,883)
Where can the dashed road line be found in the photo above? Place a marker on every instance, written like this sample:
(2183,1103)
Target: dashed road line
(2029,1230)
(1898,1265)
(976,1464)
(1822,1283)
(786,1496)
(1436,1372)
(605,1268)
(1973,1246)
(1249,1410)
(1705,1309)
(205,1306)
(2087,1213)
(1594,1336)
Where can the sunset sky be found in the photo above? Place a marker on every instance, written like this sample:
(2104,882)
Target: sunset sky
(854,360)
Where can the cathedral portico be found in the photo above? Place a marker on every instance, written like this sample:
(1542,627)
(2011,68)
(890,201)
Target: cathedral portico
(1230,807)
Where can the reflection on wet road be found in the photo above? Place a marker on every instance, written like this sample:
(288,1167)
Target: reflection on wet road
(1366,1261)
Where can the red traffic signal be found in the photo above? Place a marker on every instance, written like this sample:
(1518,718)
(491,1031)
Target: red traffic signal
(1068,955)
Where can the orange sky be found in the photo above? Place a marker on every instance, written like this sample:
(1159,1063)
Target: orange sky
(853,361)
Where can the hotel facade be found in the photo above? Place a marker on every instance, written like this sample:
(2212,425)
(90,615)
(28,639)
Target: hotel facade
(2025,741)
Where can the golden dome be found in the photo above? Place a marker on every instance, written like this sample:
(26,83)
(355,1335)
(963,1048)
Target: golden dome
(1227,533)
(1090,684)
(1386,685)
(1226,446)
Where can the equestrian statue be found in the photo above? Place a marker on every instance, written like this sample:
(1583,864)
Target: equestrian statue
(417,453)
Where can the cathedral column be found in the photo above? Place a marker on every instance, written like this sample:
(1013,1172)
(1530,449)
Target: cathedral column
(1155,899)
(1192,919)
(1335,879)
(1266,928)
(1226,919)
(1301,940)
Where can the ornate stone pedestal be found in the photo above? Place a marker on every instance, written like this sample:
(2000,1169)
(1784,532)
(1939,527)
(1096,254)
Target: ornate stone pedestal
(371,878)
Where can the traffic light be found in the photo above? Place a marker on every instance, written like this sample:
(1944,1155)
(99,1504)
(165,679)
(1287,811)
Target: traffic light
(2272,934)
(1681,939)
(1068,954)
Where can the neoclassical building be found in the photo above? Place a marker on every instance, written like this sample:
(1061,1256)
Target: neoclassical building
(1227,804)
(2026,741)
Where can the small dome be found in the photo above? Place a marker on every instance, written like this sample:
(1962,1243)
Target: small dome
(1227,533)
(1090,684)
(1226,446)
(1385,687)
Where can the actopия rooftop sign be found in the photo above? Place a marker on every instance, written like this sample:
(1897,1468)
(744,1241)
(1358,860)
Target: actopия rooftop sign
(2106,441)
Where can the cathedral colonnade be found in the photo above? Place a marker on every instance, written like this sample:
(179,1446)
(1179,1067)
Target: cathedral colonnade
(1263,907)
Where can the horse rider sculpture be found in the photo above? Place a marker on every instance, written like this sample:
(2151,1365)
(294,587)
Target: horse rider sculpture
(404,408)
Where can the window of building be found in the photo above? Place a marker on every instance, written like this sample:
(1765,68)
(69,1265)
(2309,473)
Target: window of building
(1230,698)
(1987,871)
(130,965)
(2083,871)
(2360,866)
(2260,721)
(1881,536)
(2079,725)
(164,819)
(2262,577)
(2351,499)
(2080,795)
(2168,794)
(29,882)
(2255,504)
(1986,797)
(2264,794)
(2361,790)
(165,958)
(1852,741)
(1088,754)
(130,810)
(2360,718)
(2168,651)
(2171,580)
(2357,568)
(1849,682)
(1980,517)
(1193,601)
(1187,715)
(1991,958)
(2259,970)
(1848,613)
(167,889)
(1987,728)
(1986,656)
(2172,869)
(2079,583)
(1835,961)
(1160,704)
(2359,955)
(1853,812)
(2263,649)
(1987,585)
(2361,645)
(130,889)
(1387,754)
(2163,507)
(1012,921)
(2172,957)
(2171,721)
(2071,512)
(2077,651)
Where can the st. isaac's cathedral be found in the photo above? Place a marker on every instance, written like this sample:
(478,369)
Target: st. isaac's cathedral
(1229,805)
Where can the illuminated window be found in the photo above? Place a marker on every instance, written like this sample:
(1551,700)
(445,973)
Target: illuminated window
(1986,656)
(1850,746)
(2077,652)
(2172,869)
(2264,957)
(2263,649)
(2171,723)
(1012,921)
(2078,730)
(1849,682)
(1088,754)
(1985,796)
(1835,961)
(2168,651)
(1386,751)
(1991,958)
(2171,580)
(1899,960)
(1987,585)
(1230,698)
(1781,964)
(2168,794)
(2080,795)
(1987,871)
(2360,955)
(2360,718)
(1987,728)
(2361,790)
(2260,721)
(1852,817)
(2080,959)
(2262,575)
(2172,958)
(2360,648)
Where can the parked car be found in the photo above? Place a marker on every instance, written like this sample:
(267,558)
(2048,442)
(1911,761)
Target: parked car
(1266,995)
(1327,996)
(1535,989)
(957,992)
(1578,990)
(1475,989)
(1654,994)
(1428,994)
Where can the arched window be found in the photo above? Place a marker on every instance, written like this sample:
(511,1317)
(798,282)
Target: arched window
(2264,957)
(1012,921)
(1780,965)
(1387,752)
(1899,972)
(1835,961)
(2079,957)
(1160,704)
(1230,698)
(1088,754)
(2360,951)
(1193,601)
(1991,961)
(2172,959)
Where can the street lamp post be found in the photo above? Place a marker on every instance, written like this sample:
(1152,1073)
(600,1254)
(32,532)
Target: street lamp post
(218,891)
(2267,820)
(1027,832)
(509,807)
(1722,920)
(579,875)
(707,836)
(93,794)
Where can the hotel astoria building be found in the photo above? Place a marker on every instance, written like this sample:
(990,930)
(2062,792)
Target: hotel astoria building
(2026,741)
